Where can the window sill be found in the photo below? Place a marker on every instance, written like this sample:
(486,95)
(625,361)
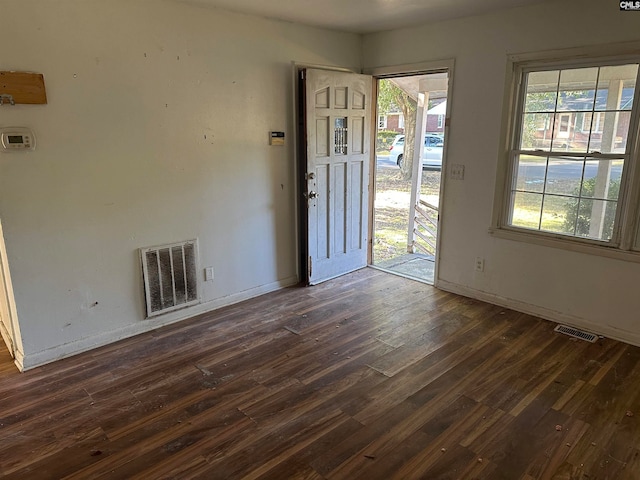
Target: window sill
(565,244)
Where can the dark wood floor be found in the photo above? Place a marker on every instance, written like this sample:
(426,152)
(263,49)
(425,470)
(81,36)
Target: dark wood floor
(368,376)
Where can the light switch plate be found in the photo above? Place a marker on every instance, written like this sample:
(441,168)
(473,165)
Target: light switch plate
(208,274)
(457,172)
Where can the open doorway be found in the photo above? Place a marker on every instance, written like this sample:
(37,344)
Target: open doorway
(410,146)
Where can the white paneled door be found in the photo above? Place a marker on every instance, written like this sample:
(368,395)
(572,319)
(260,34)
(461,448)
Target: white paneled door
(338,128)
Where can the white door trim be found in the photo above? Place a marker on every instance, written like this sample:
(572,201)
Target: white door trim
(408,69)
(8,305)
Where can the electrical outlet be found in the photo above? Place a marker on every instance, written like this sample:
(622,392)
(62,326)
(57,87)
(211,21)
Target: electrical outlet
(457,172)
(208,274)
(479,264)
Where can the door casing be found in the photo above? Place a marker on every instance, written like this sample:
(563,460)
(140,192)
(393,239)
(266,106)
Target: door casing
(9,328)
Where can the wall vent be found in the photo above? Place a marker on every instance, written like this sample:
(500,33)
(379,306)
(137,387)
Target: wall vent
(169,273)
(574,332)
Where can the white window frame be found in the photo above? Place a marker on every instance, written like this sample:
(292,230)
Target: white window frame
(440,121)
(625,243)
(382,122)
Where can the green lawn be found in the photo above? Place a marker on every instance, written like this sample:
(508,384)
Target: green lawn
(393,197)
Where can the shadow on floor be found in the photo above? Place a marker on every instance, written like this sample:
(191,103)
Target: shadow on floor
(413,265)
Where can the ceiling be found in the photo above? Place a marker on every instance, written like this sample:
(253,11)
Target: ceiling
(363,16)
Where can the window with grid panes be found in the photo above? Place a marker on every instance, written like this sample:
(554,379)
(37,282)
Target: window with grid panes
(571,150)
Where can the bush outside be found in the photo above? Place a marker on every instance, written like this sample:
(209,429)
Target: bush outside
(582,218)
(384,140)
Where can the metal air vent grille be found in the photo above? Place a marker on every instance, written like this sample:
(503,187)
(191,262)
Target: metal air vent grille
(574,332)
(170,280)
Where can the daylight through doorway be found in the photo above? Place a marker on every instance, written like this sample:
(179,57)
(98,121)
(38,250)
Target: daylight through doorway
(408,173)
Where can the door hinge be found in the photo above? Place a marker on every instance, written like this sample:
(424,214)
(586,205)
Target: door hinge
(309,266)
(301,74)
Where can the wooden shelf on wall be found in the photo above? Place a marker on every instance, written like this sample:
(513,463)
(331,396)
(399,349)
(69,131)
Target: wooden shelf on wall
(24,87)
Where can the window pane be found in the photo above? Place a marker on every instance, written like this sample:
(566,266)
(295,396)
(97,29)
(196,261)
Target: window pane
(551,195)
(536,131)
(555,213)
(526,210)
(577,89)
(567,136)
(617,166)
(614,131)
(530,173)
(587,122)
(595,219)
(616,87)
(574,94)
(542,90)
(340,135)
(596,174)
(564,177)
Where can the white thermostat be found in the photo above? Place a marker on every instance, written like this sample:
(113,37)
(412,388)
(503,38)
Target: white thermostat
(14,139)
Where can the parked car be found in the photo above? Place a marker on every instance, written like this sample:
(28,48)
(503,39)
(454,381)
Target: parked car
(431,156)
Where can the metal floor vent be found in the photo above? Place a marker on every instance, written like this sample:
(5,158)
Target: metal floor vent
(170,280)
(574,332)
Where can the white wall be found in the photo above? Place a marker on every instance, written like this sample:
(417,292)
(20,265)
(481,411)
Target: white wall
(156,131)
(595,292)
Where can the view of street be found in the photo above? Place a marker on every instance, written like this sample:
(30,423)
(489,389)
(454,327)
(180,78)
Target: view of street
(382,161)
(534,171)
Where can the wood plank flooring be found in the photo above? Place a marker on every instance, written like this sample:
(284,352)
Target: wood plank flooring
(367,376)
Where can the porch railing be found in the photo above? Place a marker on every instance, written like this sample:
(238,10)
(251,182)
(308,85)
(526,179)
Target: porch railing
(425,228)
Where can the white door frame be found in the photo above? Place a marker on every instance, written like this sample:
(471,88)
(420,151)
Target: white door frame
(10,329)
(422,68)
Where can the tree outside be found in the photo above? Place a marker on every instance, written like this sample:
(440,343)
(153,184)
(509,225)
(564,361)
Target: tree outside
(390,95)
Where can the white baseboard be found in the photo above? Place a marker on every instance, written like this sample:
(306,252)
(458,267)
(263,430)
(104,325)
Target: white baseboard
(16,353)
(542,312)
(33,360)
(18,360)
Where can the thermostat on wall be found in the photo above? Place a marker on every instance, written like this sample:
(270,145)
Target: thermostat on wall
(14,139)
(276,138)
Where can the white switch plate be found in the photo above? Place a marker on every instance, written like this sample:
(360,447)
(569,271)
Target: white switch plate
(457,172)
(208,274)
